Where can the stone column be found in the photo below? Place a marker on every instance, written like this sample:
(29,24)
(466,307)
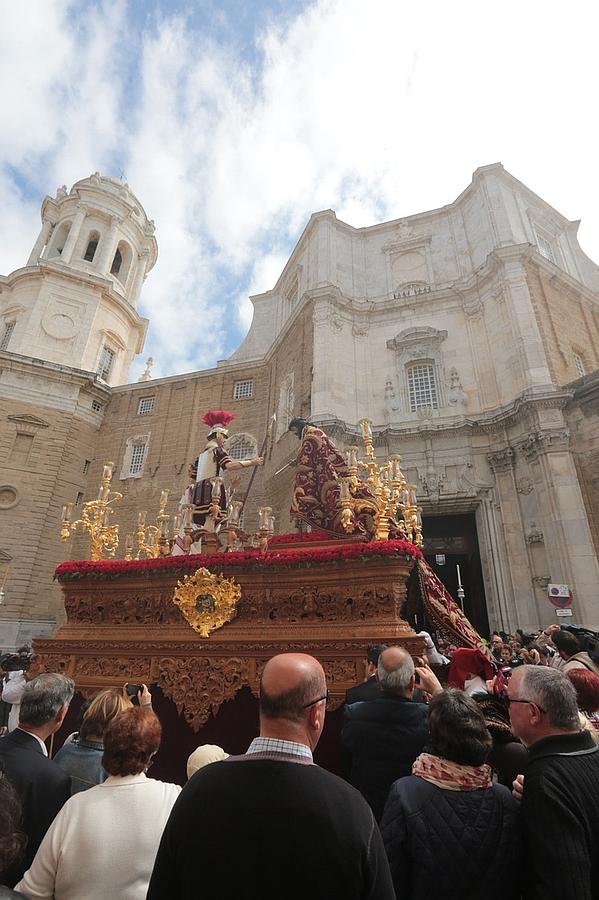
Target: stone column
(108,244)
(138,278)
(520,600)
(322,361)
(564,524)
(42,240)
(73,236)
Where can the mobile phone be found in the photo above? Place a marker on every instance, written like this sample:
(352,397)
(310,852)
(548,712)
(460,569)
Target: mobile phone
(134,689)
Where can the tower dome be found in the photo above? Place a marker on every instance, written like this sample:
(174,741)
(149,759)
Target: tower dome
(99,227)
(75,302)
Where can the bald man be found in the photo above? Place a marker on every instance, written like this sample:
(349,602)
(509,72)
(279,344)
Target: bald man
(272,824)
(385,735)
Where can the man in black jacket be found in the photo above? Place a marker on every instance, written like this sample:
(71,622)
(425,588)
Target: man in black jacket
(41,785)
(271,824)
(384,736)
(560,800)
(369,688)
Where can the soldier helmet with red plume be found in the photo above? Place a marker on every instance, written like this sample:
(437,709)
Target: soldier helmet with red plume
(217,420)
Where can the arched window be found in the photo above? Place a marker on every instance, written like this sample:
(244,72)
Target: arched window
(422,387)
(121,262)
(117,262)
(60,239)
(242,446)
(92,246)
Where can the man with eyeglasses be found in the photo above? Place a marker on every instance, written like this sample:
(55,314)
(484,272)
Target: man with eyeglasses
(271,823)
(560,795)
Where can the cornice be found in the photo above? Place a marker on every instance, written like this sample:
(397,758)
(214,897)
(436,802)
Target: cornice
(24,365)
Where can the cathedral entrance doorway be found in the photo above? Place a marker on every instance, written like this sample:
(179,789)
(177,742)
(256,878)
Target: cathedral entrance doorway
(451,541)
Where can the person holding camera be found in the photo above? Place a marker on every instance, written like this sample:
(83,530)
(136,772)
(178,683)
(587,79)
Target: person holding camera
(81,757)
(14,666)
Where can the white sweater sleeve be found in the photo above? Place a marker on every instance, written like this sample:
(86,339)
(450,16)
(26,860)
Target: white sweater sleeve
(39,880)
(12,690)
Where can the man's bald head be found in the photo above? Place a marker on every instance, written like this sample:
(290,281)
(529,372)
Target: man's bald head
(290,681)
(395,671)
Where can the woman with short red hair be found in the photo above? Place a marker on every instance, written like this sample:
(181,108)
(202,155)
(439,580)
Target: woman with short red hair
(104,840)
(586,685)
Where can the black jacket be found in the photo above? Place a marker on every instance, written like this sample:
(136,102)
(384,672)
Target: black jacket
(368,690)
(456,845)
(384,738)
(42,787)
(560,811)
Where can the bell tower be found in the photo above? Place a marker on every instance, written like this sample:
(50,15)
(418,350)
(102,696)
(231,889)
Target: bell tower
(75,302)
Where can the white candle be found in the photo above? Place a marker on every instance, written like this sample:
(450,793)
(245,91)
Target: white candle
(459,579)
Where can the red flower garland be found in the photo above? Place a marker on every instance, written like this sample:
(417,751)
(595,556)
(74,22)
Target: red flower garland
(109,568)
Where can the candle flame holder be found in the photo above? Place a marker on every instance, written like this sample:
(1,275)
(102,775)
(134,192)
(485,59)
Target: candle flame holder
(95,519)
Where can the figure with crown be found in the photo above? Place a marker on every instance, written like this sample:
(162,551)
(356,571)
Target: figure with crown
(210,464)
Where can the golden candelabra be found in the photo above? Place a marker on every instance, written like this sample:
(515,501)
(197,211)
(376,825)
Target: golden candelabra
(95,519)
(152,540)
(397,507)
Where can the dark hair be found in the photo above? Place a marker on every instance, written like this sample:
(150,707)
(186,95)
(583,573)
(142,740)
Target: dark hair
(566,642)
(104,707)
(586,685)
(457,728)
(291,704)
(298,423)
(12,839)
(373,653)
(130,741)
(44,696)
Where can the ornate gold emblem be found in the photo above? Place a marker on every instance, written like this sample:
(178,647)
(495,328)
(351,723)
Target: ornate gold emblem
(207,601)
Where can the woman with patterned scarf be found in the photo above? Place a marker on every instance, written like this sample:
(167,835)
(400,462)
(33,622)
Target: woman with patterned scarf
(448,830)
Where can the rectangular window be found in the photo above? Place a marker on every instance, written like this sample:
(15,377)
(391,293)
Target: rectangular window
(579,365)
(86,466)
(97,406)
(107,359)
(79,498)
(146,405)
(243,390)
(8,330)
(241,447)
(422,387)
(545,248)
(138,455)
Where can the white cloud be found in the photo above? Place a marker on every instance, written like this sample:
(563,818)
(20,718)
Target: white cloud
(376,110)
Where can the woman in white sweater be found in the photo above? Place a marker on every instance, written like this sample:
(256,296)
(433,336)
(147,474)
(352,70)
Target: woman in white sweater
(104,840)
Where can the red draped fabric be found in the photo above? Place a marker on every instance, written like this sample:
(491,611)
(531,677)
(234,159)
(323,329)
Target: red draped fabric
(316,495)
(445,615)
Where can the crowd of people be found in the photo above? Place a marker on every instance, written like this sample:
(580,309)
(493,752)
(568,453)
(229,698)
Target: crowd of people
(466,775)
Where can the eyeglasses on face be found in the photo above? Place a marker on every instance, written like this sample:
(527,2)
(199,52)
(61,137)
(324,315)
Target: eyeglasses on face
(511,700)
(326,697)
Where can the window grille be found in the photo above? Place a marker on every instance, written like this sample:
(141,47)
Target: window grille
(79,498)
(86,466)
(8,330)
(422,387)
(243,390)
(579,365)
(97,406)
(545,248)
(107,359)
(146,405)
(138,455)
(241,447)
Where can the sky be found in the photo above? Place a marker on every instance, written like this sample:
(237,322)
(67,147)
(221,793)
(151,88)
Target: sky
(234,121)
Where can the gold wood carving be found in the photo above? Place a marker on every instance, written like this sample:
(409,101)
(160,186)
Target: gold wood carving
(207,601)
(199,685)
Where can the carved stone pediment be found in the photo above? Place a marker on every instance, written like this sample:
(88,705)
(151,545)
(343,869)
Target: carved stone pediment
(423,339)
(26,422)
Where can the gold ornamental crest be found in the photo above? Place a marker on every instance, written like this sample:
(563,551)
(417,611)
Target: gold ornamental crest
(207,601)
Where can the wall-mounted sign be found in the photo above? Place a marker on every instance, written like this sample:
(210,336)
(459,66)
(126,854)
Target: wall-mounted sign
(563,612)
(560,595)
(440,559)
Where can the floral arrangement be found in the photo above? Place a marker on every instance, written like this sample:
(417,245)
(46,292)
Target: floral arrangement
(296,558)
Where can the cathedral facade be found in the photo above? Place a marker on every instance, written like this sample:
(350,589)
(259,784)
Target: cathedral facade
(468,335)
